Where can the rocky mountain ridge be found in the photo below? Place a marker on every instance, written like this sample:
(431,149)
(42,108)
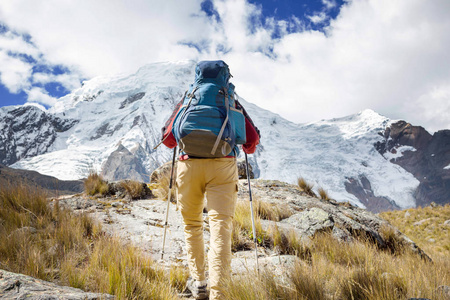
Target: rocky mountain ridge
(53,186)
(27,131)
(428,159)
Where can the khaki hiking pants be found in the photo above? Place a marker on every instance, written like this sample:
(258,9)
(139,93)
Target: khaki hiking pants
(216,178)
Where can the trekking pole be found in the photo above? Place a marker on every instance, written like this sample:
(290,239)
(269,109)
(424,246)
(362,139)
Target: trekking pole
(168,200)
(251,209)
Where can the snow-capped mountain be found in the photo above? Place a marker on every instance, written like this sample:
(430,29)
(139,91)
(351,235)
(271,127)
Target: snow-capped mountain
(111,124)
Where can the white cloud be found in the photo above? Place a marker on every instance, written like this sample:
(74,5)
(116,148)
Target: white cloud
(39,95)
(432,108)
(329,4)
(14,73)
(390,56)
(70,81)
(107,36)
(318,17)
(383,55)
(15,43)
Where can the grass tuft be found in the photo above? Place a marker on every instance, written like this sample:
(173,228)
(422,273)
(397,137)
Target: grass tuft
(425,226)
(272,212)
(393,242)
(135,189)
(371,283)
(288,243)
(323,194)
(305,187)
(94,184)
(162,186)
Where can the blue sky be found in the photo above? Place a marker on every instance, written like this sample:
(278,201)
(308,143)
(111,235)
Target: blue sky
(317,59)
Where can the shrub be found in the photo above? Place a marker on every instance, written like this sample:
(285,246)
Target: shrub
(305,187)
(135,189)
(95,184)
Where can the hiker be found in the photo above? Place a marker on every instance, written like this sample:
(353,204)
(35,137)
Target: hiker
(207,125)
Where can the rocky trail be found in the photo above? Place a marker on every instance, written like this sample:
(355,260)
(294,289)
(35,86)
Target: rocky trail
(141,222)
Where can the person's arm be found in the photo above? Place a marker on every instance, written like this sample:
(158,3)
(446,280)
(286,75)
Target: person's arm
(168,139)
(252,135)
(251,132)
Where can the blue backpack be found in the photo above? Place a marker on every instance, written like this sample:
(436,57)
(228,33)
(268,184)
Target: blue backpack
(208,124)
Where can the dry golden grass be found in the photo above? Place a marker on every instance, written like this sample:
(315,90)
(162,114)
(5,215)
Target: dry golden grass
(55,244)
(338,270)
(242,235)
(305,187)
(161,188)
(273,238)
(135,189)
(425,226)
(95,184)
(288,243)
(323,194)
(270,211)
(178,277)
(331,269)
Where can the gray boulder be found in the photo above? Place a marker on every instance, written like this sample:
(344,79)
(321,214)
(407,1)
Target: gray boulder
(19,286)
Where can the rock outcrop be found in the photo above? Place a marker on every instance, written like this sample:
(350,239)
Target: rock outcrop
(19,286)
(122,164)
(28,131)
(362,189)
(427,159)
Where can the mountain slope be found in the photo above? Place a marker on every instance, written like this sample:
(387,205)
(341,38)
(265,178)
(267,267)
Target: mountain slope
(115,123)
(53,186)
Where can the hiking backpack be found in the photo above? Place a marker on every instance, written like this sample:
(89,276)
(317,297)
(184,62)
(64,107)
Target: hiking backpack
(208,123)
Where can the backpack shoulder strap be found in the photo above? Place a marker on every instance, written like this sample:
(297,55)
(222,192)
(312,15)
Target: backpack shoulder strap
(219,136)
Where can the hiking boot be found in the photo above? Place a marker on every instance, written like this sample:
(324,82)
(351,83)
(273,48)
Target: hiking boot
(197,288)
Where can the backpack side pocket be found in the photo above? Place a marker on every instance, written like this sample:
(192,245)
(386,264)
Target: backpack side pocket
(237,121)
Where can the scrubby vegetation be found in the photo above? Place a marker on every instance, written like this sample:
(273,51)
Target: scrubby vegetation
(426,226)
(46,241)
(160,185)
(94,184)
(305,187)
(135,189)
(52,243)
(330,269)
(323,194)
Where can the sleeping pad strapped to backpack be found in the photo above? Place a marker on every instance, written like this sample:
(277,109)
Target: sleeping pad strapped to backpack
(208,124)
